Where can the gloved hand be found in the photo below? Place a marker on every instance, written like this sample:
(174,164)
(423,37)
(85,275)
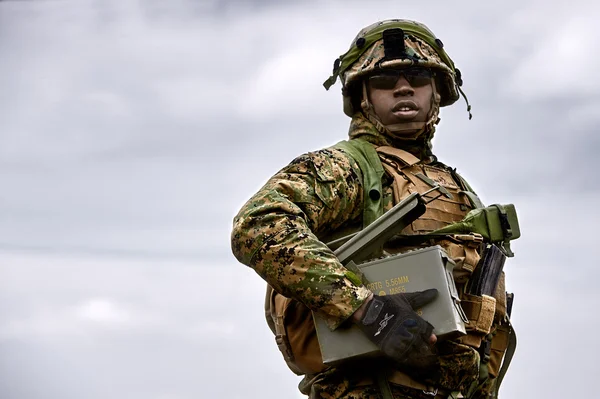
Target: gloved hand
(392,324)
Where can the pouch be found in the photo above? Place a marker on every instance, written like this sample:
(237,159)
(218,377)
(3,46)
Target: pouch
(295,334)
(480,312)
(496,223)
(499,345)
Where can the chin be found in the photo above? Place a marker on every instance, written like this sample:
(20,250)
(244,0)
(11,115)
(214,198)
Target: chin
(396,121)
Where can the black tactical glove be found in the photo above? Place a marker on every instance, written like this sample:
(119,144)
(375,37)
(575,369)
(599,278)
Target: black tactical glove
(392,324)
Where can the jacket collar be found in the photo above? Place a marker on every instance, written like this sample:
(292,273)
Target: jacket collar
(361,127)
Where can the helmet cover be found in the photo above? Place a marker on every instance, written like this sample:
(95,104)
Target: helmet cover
(367,54)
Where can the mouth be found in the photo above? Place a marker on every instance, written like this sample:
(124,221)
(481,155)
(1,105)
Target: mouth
(404,106)
(405,110)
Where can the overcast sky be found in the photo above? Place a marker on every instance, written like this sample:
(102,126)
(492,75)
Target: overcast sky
(132,131)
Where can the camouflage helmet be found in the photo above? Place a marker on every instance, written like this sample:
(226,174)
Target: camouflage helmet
(396,43)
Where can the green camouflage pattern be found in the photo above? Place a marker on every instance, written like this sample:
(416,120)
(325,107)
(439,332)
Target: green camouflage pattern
(334,386)
(422,49)
(345,390)
(420,54)
(458,367)
(279,233)
(361,127)
(458,370)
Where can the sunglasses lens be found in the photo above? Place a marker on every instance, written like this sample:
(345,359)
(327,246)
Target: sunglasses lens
(418,76)
(386,80)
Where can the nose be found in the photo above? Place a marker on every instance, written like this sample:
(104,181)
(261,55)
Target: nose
(403,88)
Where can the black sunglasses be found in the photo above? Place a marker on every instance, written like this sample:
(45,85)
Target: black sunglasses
(386,79)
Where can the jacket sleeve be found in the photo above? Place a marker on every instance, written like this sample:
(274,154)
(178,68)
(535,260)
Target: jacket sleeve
(276,232)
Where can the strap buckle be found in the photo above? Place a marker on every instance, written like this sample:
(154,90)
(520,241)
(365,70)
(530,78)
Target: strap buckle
(433,392)
(471,240)
(283,346)
(485,351)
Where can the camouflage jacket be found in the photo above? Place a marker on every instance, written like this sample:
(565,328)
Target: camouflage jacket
(279,231)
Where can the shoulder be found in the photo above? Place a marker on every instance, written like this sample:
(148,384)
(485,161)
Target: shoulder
(455,174)
(439,164)
(327,164)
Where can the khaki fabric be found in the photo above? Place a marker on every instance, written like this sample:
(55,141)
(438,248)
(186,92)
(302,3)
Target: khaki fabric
(295,333)
(480,310)
(499,346)
(281,232)
(303,338)
(500,296)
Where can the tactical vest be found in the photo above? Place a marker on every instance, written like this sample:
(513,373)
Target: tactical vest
(488,328)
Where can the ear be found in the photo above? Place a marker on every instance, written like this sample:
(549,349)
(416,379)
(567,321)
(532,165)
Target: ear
(365,104)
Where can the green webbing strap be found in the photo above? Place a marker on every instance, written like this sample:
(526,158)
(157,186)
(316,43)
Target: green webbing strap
(433,184)
(510,351)
(371,170)
(468,191)
(453,395)
(506,229)
(384,386)
(473,198)
(479,382)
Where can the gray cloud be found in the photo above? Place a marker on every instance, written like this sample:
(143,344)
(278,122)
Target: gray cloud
(106,329)
(133,131)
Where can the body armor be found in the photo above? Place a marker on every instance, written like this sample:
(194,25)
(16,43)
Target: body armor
(405,174)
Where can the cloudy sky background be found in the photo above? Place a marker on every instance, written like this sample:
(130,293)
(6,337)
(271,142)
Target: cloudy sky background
(132,131)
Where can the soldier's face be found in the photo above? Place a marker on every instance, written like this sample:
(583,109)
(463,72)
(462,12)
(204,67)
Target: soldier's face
(401,96)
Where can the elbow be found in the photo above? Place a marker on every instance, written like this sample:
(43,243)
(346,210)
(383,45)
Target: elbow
(236,245)
(241,244)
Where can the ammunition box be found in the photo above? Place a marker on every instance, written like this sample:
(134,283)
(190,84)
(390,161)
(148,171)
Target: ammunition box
(417,270)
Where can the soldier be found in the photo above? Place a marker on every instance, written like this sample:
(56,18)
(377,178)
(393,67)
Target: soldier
(395,77)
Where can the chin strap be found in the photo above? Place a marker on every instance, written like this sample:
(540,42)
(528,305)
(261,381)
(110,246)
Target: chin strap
(406,131)
(467,101)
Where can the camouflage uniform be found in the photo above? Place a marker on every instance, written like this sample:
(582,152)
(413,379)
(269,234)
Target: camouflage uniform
(281,233)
